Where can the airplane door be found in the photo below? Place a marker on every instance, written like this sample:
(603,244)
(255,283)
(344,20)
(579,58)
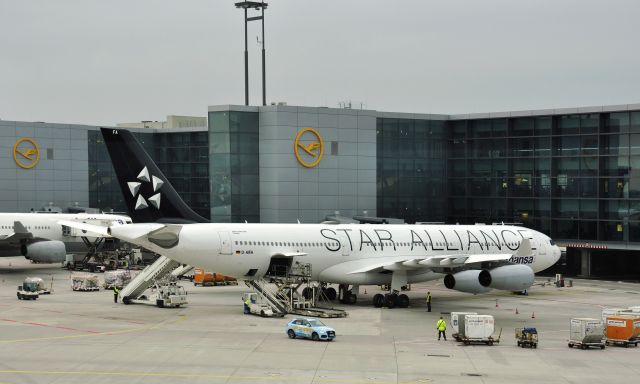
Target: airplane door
(225,243)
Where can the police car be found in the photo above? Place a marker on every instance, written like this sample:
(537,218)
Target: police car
(310,328)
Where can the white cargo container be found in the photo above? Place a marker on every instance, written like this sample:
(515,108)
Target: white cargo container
(606,312)
(455,321)
(586,332)
(477,329)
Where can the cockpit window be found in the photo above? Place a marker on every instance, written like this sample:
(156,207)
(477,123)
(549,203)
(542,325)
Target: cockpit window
(552,242)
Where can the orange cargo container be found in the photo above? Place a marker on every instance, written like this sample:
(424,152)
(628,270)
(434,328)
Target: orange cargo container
(623,330)
(203,278)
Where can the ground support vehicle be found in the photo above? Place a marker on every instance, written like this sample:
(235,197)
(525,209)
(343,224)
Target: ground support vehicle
(490,340)
(313,329)
(527,337)
(164,295)
(586,333)
(257,307)
(30,288)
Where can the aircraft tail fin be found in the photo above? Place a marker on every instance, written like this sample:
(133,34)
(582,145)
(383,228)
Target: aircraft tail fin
(149,195)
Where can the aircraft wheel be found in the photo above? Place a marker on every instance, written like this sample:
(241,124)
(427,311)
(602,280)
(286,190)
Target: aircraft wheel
(403,301)
(307,292)
(378,300)
(291,333)
(331,293)
(390,300)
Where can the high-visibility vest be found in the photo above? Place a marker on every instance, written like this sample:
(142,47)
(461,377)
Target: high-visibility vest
(428,298)
(116,290)
(247,301)
(441,325)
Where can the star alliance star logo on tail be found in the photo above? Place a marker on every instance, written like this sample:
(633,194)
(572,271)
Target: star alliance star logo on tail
(134,188)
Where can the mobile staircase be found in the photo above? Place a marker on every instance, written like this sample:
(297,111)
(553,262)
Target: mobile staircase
(181,271)
(283,296)
(148,277)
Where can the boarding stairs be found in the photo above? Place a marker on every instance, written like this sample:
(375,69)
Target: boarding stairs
(181,270)
(148,277)
(283,296)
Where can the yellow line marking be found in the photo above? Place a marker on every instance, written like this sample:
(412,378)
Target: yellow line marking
(267,377)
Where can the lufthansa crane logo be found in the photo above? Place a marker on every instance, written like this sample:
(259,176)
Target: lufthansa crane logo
(308,147)
(26,153)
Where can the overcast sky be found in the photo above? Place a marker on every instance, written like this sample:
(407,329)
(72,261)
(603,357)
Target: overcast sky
(104,62)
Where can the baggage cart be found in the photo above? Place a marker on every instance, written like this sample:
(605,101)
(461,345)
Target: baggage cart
(84,282)
(477,329)
(455,323)
(586,333)
(623,330)
(527,337)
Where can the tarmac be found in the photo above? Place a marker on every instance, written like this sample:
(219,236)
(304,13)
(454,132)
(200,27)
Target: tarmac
(84,337)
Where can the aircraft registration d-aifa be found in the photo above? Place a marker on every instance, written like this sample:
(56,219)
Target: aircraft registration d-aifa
(470,258)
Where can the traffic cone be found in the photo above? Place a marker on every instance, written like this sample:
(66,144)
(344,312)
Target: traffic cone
(533,315)
(517,313)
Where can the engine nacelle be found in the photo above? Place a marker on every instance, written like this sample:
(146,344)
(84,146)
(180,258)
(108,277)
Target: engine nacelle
(50,251)
(509,278)
(465,281)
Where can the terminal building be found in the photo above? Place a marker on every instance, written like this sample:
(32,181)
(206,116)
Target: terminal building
(571,173)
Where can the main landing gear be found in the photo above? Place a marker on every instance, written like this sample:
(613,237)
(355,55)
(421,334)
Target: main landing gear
(391,300)
(346,295)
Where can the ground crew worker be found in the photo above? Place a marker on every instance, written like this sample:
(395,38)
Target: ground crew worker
(246,305)
(115,294)
(428,301)
(441,326)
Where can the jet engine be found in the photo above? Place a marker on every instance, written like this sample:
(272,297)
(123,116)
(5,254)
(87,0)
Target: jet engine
(516,277)
(465,281)
(50,251)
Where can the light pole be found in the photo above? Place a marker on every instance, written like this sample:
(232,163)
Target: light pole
(261,6)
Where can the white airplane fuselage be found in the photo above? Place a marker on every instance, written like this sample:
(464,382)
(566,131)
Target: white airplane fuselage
(347,254)
(44,226)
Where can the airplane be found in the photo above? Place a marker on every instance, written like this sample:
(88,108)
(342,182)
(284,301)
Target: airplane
(470,258)
(38,236)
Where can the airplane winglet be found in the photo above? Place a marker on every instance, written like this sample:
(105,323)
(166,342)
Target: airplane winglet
(19,228)
(525,248)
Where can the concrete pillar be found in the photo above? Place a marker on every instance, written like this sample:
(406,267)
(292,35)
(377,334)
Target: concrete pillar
(585,262)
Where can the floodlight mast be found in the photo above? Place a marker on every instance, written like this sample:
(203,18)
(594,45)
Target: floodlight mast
(257,6)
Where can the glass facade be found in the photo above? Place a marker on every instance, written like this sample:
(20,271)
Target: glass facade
(182,157)
(234,166)
(411,158)
(573,176)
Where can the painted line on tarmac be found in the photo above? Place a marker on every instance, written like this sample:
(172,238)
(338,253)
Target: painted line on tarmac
(106,333)
(48,326)
(266,377)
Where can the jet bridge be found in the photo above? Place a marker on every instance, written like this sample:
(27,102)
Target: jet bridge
(145,279)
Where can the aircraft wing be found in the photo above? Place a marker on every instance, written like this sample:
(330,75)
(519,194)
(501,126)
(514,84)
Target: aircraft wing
(408,263)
